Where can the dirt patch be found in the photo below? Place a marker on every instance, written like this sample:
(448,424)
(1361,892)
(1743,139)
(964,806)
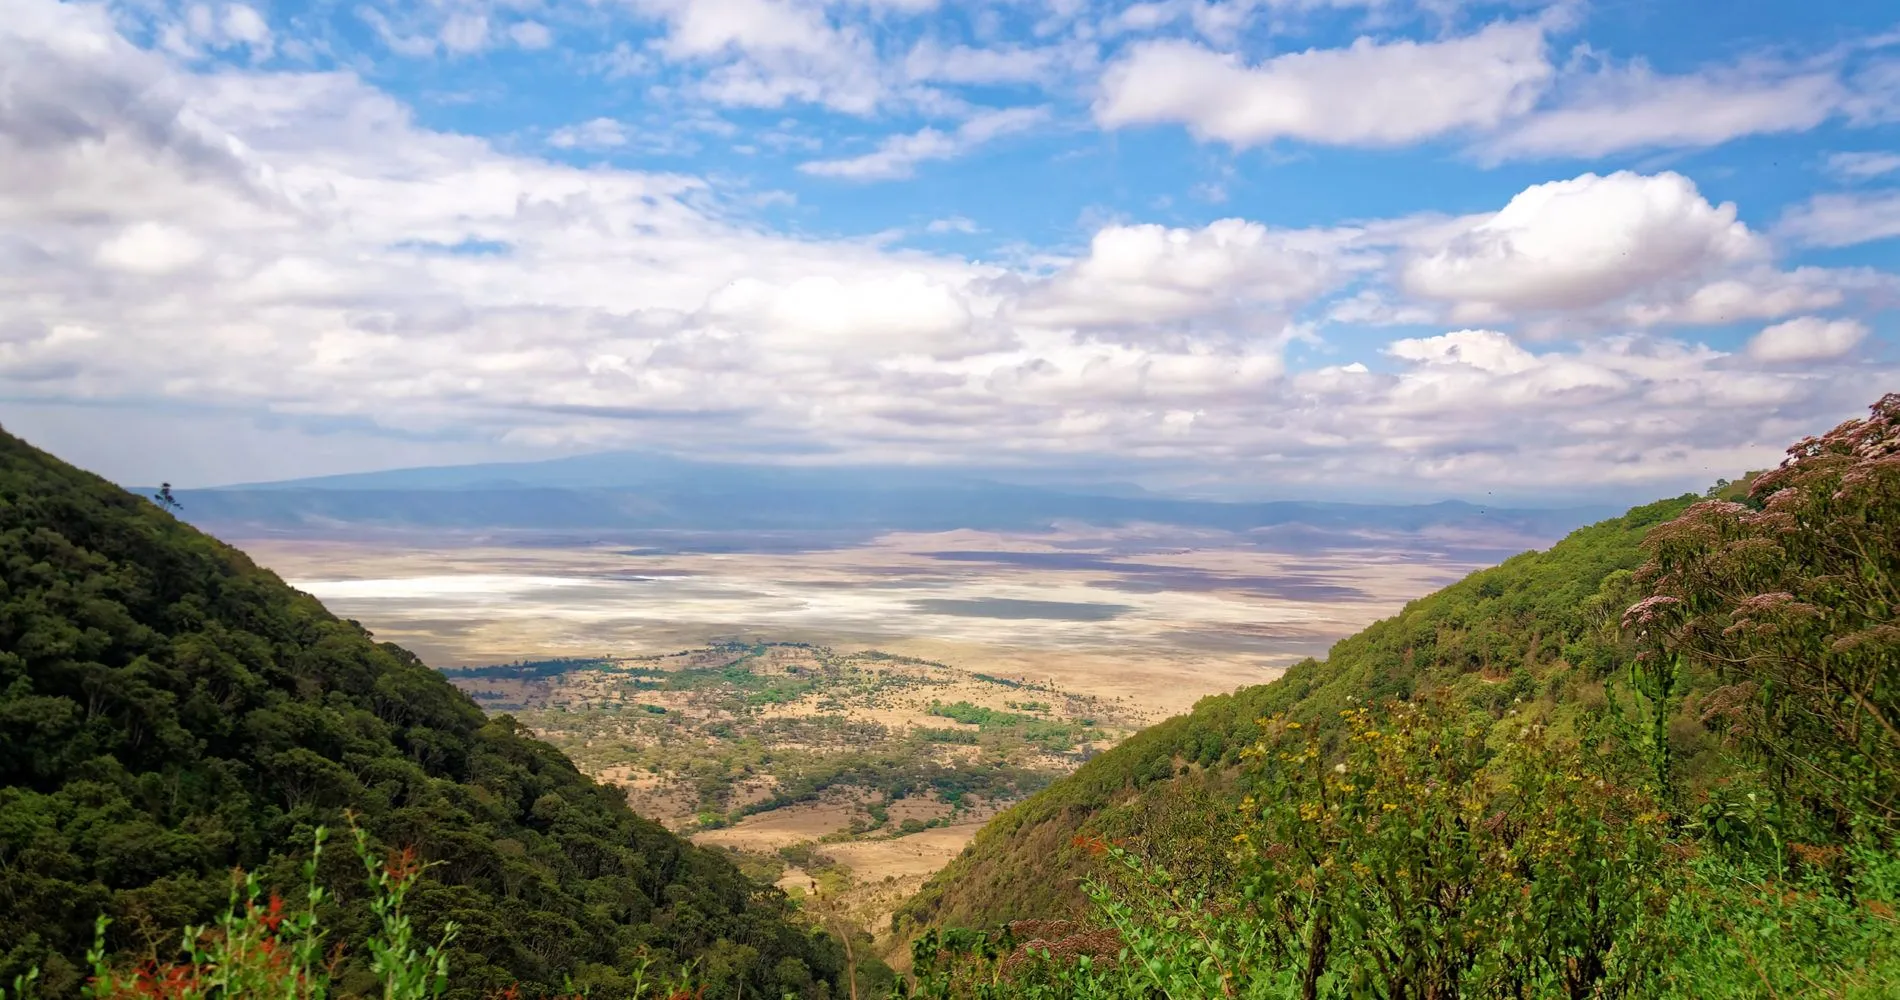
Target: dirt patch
(884,873)
(919,808)
(657,797)
(753,791)
(793,824)
(915,855)
(796,878)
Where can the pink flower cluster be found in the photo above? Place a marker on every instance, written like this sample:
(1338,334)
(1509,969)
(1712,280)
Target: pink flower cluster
(1648,611)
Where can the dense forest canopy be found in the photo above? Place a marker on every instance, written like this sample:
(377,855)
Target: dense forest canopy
(168,711)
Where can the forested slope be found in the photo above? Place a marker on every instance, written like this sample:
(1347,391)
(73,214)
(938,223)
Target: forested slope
(1559,777)
(1533,634)
(168,711)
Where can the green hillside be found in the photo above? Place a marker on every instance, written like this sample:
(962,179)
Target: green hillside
(168,711)
(1536,633)
(1660,760)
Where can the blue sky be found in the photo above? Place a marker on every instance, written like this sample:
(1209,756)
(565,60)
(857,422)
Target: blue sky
(1282,247)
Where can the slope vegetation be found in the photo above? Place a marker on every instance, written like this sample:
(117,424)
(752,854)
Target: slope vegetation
(168,711)
(1535,633)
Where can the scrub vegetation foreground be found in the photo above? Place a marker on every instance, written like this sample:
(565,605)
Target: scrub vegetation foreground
(1661,759)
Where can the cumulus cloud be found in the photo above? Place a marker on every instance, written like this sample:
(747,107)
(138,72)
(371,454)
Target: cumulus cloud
(1496,86)
(898,155)
(531,34)
(1619,408)
(1756,293)
(900,312)
(1634,107)
(1476,405)
(1368,94)
(1485,350)
(1808,338)
(465,32)
(1840,220)
(1581,243)
(295,248)
(150,248)
(1232,271)
(768,53)
(205,27)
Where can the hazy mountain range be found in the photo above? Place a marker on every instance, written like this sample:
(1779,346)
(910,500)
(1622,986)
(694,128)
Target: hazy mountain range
(623,492)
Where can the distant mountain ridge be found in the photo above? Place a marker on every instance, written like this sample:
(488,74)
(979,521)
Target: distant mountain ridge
(647,492)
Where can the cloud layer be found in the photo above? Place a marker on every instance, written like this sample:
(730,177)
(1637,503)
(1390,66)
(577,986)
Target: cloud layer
(1369,94)
(288,244)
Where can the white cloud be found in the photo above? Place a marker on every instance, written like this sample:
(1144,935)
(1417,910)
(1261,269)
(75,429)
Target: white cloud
(953,224)
(150,248)
(1218,21)
(1760,293)
(1238,272)
(897,313)
(1485,350)
(767,53)
(1475,406)
(899,155)
(1496,86)
(595,133)
(1862,165)
(898,6)
(1874,87)
(963,64)
(1809,338)
(1371,307)
(1582,243)
(245,25)
(296,250)
(709,27)
(531,35)
(406,43)
(465,32)
(1369,94)
(204,26)
(1840,220)
(1633,107)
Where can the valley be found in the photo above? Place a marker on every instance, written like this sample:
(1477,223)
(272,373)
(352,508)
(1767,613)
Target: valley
(764,813)
(1158,615)
(843,717)
(860,772)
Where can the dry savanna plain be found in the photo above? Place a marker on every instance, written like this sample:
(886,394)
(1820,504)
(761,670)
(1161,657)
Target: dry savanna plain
(842,718)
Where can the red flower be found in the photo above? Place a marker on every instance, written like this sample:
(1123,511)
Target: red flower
(402,865)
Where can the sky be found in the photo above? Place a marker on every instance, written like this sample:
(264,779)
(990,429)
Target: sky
(1227,248)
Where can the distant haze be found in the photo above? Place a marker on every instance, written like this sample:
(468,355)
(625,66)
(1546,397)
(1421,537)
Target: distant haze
(617,494)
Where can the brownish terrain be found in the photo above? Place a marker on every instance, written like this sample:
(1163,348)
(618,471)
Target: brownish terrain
(861,770)
(780,704)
